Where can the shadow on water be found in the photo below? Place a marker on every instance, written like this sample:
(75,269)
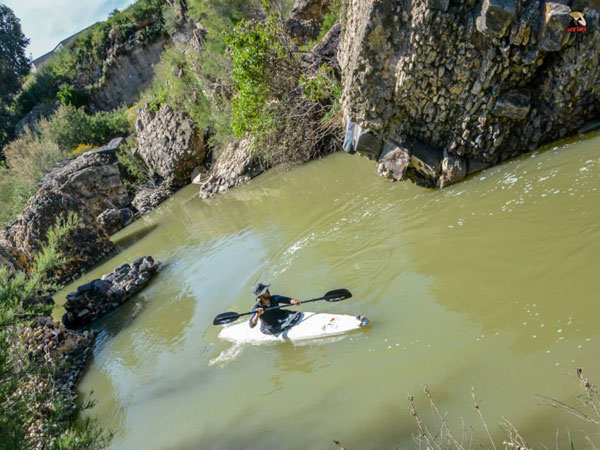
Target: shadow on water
(127,241)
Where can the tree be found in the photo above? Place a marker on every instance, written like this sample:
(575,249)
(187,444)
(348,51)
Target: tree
(14,65)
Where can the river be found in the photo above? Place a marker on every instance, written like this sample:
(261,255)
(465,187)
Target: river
(492,283)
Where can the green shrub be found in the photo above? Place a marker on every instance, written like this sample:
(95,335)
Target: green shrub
(71,126)
(287,112)
(330,18)
(28,158)
(264,68)
(136,172)
(71,96)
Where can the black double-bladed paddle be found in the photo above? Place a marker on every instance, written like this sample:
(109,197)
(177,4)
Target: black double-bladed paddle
(332,296)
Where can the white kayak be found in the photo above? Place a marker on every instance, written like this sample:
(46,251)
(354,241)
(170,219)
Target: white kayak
(310,326)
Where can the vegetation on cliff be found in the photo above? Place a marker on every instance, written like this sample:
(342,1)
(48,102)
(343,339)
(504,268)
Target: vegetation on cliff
(284,106)
(36,411)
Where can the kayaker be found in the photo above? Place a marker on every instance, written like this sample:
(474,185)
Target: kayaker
(274,321)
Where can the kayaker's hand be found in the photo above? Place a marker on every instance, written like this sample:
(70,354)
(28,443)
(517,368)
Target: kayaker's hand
(295,302)
(259,312)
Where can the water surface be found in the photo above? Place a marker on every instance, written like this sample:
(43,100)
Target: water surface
(491,283)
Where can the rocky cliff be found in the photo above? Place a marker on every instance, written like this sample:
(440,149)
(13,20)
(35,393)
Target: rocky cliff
(87,185)
(128,75)
(438,89)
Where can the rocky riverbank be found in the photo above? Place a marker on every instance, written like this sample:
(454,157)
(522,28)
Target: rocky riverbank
(60,357)
(55,356)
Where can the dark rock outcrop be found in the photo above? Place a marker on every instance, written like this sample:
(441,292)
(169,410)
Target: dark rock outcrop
(477,82)
(170,144)
(98,297)
(325,51)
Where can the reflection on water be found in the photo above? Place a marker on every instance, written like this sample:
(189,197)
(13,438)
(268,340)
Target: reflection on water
(490,283)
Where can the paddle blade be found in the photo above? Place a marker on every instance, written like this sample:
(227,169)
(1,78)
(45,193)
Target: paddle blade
(226,317)
(337,295)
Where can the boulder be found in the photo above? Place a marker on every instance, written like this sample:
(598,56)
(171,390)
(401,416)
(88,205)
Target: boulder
(426,160)
(93,177)
(112,220)
(148,196)
(169,144)
(86,185)
(454,169)
(514,104)
(554,27)
(395,161)
(98,297)
(85,246)
(495,17)
(237,165)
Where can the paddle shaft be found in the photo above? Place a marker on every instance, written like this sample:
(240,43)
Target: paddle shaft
(331,296)
(284,306)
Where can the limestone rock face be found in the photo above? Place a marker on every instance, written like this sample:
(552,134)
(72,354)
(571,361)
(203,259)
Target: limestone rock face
(98,297)
(481,80)
(237,165)
(129,74)
(169,144)
(86,185)
(93,177)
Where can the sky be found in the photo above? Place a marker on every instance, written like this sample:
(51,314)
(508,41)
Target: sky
(47,22)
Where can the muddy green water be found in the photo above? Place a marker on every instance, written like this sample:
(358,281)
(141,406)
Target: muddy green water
(492,283)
